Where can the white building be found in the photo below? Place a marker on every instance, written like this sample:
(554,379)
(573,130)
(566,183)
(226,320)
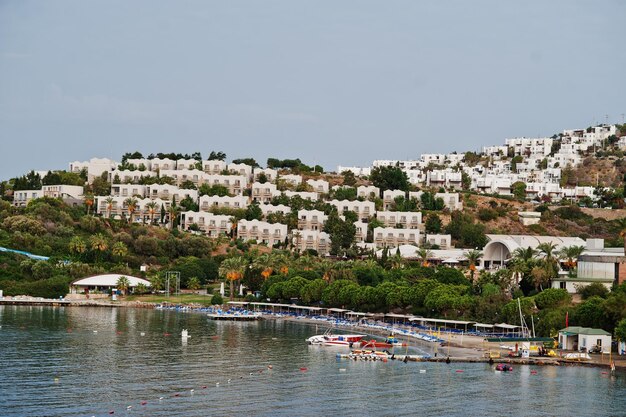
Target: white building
(262,232)
(443,241)
(311,219)
(264,193)
(311,240)
(357,171)
(305,195)
(444,178)
(21,198)
(391,237)
(207,202)
(405,219)
(319,186)
(278,208)
(214,167)
(389,197)
(94,167)
(211,224)
(292,179)
(363,209)
(270,174)
(241,169)
(128,190)
(160,164)
(367,191)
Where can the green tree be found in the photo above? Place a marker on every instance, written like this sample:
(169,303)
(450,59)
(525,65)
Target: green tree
(98,244)
(341,233)
(433,223)
(518,189)
(390,178)
(119,250)
(473,256)
(77,245)
(313,290)
(348,178)
(620,330)
(193,283)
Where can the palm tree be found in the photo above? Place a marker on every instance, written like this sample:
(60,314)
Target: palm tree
(550,262)
(472,257)
(233,269)
(88,202)
(131,205)
(540,277)
(173,211)
(123,284)
(424,255)
(99,244)
(266,263)
(119,249)
(77,245)
(570,254)
(306,262)
(282,263)
(152,209)
(109,200)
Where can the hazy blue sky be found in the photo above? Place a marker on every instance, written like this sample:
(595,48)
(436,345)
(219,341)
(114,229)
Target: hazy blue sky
(333,82)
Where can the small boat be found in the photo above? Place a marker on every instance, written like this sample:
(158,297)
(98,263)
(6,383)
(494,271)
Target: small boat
(329,339)
(366,355)
(503,367)
(386,344)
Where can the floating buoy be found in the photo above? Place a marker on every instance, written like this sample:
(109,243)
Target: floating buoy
(303,369)
(192,391)
(142,333)
(217,384)
(251,373)
(176,395)
(533,372)
(229,380)
(129,407)
(269,367)
(160,398)
(68,330)
(56,380)
(274,338)
(95,331)
(604,373)
(342,369)
(167,334)
(458,371)
(111,412)
(422,371)
(144,402)
(215,337)
(118,332)
(203,387)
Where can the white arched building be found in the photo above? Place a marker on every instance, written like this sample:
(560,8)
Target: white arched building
(499,250)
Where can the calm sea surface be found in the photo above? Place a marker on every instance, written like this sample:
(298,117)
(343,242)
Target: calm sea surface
(94,361)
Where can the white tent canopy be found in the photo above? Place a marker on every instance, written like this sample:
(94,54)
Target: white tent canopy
(109,280)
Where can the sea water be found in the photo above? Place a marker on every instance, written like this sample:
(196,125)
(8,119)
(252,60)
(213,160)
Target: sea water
(71,361)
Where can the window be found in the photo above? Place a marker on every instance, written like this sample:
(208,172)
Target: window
(562,285)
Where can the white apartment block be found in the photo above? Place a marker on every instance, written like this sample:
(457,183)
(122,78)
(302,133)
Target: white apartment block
(415,176)
(367,191)
(311,240)
(391,237)
(493,184)
(538,147)
(263,232)
(127,176)
(140,163)
(128,190)
(160,164)
(241,169)
(182,175)
(234,183)
(444,178)
(270,174)
(305,195)
(264,193)
(21,198)
(319,186)
(187,164)
(389,197)
(278,208)
(214,167)
(357,171)
(94,167)
(208,202)
(495,151)
(211,224)
(167,192)
(311,219)
(406,219)
(361,231)
(292,179)
(443,241)
(363,209)
(451,200)
(63,191)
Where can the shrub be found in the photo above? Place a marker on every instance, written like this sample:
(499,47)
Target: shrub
(217,299)
(487,214)
(552,297)
(595,289)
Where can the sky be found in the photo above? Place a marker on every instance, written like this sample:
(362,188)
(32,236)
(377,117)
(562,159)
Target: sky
(331,82)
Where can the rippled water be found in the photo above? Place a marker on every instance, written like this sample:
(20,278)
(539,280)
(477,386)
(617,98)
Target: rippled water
(54,364)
